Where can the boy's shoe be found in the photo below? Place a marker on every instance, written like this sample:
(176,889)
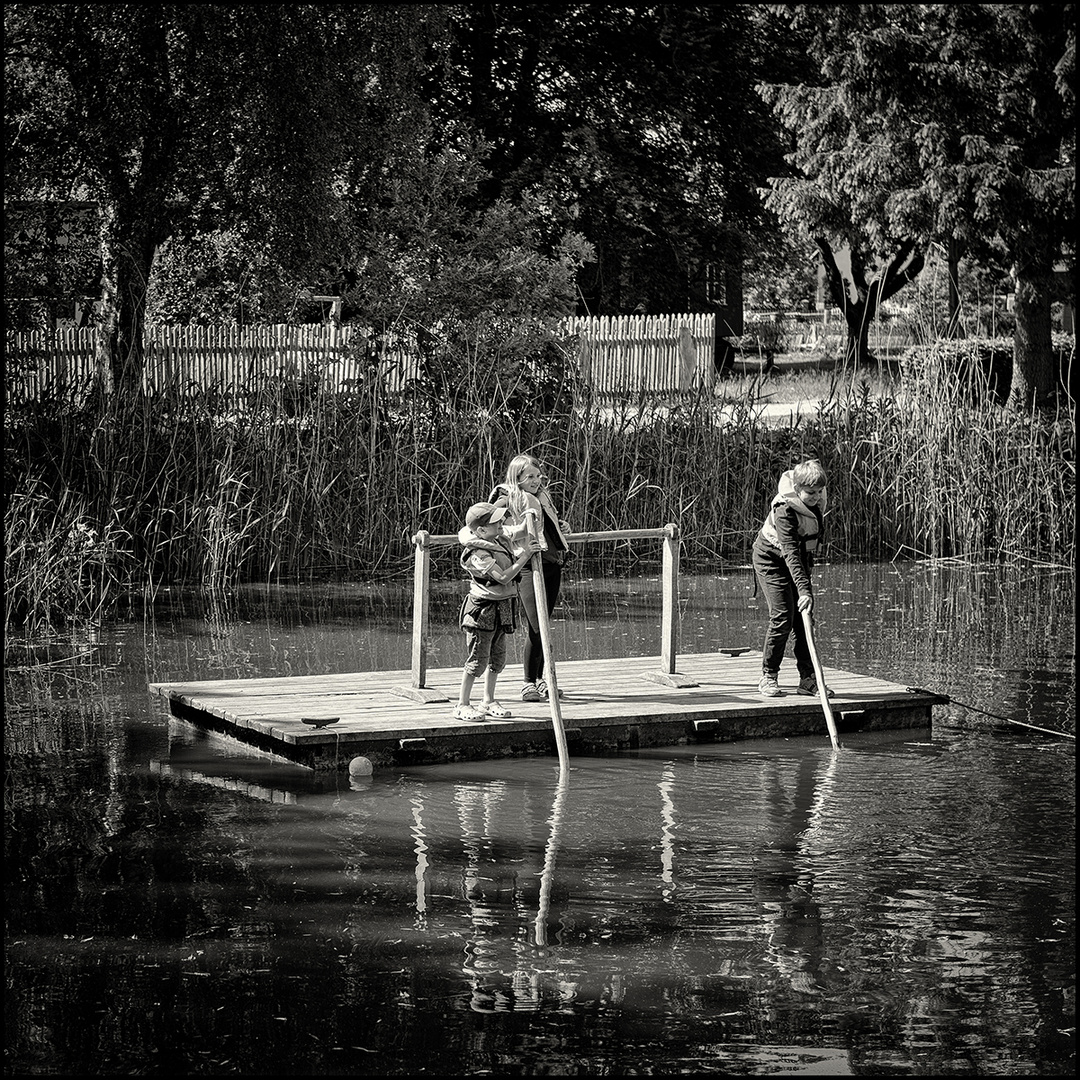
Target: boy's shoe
(492,710)
(467,712)
(808,686)
(543,690)
(769,687)
(530,693)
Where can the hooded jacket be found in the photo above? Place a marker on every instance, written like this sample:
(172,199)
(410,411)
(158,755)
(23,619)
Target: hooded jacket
(477,555)
(792,530)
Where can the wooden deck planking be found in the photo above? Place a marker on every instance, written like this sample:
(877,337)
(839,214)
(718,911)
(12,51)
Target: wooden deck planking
(598,694)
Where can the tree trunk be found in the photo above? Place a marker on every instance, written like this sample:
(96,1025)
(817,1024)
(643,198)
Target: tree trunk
(859,300)
(857,350)
(1035,378)
(127,256)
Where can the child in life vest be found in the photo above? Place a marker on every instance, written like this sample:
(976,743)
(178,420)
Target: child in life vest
(783,556)
(488,611)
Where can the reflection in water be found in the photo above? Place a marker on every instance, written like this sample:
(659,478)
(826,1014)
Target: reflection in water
(906,905)
(785,882)
(421,860)
(496,959)
(551,852)
(667,848)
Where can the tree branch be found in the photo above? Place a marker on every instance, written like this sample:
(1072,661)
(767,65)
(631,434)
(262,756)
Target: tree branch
(903,268)
(832,272)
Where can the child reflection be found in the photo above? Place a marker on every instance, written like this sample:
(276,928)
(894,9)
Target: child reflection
(501,965)
(784,881)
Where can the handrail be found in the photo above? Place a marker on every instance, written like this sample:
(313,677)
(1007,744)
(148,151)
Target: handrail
(446,539)
(424,541)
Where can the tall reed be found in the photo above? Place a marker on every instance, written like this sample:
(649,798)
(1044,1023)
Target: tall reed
(61,568)
(224,487)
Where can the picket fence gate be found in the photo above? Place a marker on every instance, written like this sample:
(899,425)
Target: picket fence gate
(617,355)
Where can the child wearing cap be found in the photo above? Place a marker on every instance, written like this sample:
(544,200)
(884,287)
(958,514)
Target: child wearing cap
(488,612)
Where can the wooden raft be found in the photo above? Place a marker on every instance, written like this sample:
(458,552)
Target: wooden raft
(609,705)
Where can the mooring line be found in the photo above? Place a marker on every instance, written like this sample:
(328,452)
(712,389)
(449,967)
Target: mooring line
(1007,720)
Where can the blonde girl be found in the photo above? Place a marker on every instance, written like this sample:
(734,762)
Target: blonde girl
(523,492)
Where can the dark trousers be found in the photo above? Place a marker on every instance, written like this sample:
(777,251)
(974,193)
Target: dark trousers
(778,588)
(534,646)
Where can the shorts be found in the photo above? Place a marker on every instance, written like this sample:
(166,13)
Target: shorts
(487,649)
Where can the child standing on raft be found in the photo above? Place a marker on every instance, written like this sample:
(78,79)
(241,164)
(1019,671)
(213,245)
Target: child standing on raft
(783,556)
(523,491)
(488,612)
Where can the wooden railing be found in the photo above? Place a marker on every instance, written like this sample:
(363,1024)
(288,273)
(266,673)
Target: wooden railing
(669,584)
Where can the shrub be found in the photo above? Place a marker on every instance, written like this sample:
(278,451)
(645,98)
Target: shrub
(982,366)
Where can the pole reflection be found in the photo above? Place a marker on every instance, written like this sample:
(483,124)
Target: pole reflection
(420,847)
(551,851)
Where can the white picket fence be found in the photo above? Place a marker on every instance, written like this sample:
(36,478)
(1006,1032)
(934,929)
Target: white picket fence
(618,355)
(627,354)
(190,359)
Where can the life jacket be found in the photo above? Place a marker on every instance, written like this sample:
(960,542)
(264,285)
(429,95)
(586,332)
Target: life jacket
(809,527)
(484,586)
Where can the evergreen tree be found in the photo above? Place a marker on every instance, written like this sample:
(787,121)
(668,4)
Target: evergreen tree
(947,122)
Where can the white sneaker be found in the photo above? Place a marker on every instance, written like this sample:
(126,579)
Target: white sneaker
(769,687)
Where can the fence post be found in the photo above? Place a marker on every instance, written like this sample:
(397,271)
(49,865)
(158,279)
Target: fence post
(421,585)
(669,614)
(416,690)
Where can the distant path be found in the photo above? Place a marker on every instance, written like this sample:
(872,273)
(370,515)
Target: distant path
(776,415)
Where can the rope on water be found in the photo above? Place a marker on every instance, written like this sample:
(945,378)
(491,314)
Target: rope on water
(1007,720)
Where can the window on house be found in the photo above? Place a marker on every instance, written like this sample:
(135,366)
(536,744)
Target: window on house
(715,284)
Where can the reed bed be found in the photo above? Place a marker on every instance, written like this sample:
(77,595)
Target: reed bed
(281,487)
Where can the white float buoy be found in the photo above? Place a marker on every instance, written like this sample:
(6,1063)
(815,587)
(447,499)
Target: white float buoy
(360,766)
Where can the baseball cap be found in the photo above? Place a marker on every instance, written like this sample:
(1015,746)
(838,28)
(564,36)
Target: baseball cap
(483,513)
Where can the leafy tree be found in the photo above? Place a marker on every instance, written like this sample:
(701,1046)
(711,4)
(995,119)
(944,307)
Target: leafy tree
(950,122)
(640,122)
(179,118)
(468,286)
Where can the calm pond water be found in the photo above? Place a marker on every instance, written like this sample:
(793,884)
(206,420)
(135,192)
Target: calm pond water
(176,906)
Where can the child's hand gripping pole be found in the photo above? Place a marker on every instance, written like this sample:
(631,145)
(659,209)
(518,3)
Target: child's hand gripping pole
(540,593)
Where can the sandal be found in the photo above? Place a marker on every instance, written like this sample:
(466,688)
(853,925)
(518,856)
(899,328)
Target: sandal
(494,710)
(467,712)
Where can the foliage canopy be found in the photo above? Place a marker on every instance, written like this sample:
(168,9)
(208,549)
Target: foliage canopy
(939,122)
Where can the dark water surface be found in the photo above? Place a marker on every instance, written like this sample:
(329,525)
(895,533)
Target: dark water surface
(176,906)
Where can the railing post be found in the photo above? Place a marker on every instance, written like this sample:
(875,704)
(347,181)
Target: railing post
(416,690)
(669,624)
(421,583)
(669,615)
